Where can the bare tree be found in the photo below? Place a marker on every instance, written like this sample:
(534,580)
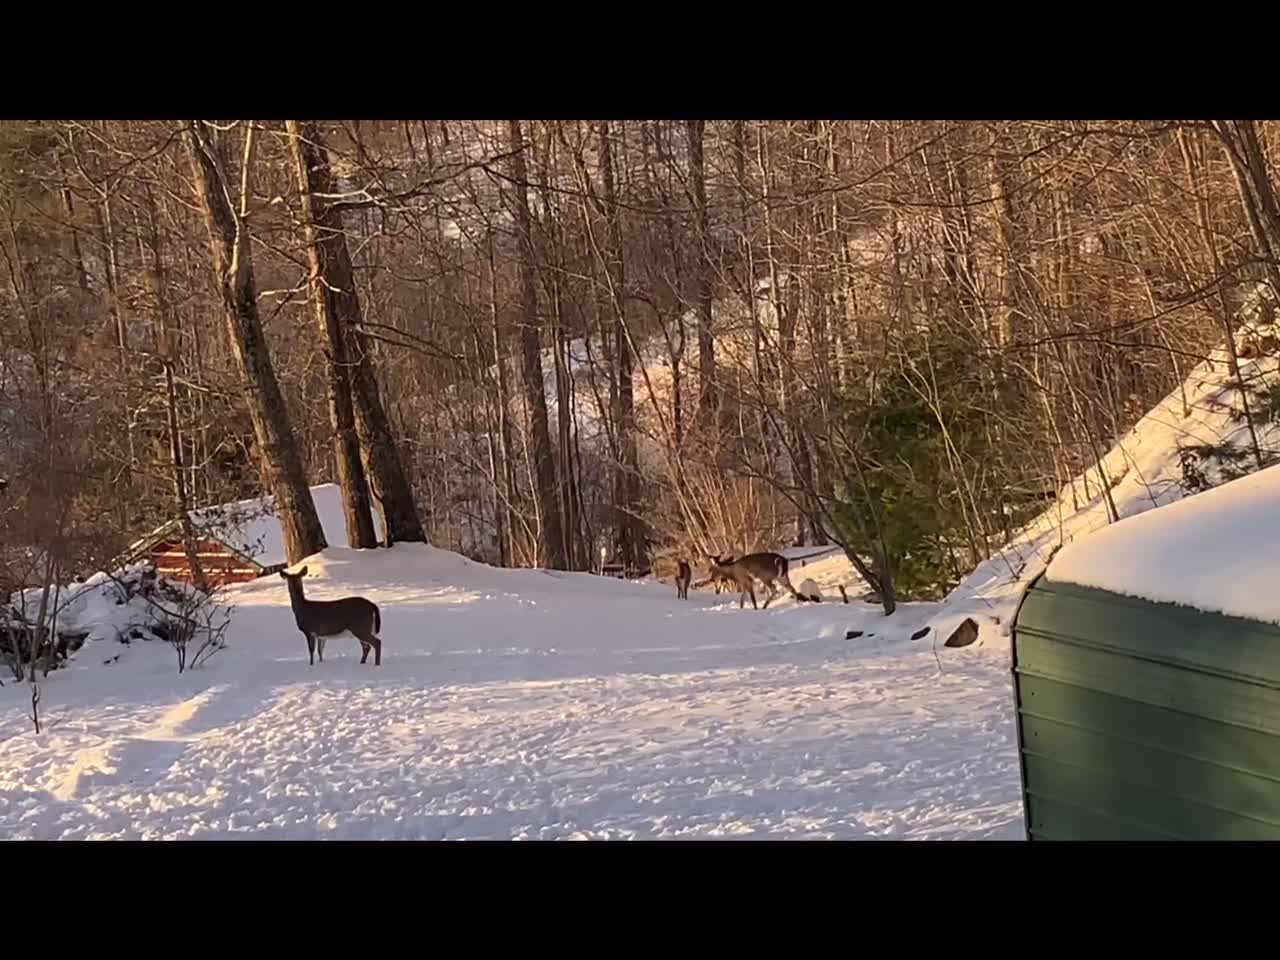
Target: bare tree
(551,543)
(708,398)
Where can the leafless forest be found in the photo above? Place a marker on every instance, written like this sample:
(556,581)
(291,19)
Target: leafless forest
(536,342)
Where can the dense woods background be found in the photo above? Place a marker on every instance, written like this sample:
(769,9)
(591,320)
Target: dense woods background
(534,342)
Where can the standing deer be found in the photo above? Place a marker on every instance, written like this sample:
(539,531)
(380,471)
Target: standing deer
(320,619)
(765,567)
(683,575)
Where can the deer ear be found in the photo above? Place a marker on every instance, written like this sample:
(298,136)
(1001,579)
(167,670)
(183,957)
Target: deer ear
(302,572)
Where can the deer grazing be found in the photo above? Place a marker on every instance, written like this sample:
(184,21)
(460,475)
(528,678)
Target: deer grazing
(320,619)
(684,573)
(718,580)
(765,567)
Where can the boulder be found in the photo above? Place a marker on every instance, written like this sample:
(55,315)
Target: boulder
(963,635)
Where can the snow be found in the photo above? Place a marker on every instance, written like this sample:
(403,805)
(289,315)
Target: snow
(251,527)
(523,704)
(106,608)
(1211,551)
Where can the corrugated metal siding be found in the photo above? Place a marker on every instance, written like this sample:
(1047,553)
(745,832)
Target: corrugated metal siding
(1143,721)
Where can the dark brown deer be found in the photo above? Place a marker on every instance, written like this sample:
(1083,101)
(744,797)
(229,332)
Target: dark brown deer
(320,619)
(684,574)
(720,580)
(765,567)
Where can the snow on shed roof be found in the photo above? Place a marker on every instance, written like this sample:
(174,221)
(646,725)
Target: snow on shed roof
(251,527)
(1216,551)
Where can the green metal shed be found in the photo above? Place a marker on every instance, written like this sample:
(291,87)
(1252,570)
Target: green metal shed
(1144,721)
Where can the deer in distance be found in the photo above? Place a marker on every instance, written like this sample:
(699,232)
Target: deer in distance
(768,568)
(320,619)
(684,573)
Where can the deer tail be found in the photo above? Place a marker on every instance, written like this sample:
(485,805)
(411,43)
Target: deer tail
(783,567)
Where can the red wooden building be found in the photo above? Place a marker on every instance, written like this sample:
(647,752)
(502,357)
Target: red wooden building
(236,541)
(221,562)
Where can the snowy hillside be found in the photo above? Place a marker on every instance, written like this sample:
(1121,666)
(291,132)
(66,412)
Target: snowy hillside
(1169,454)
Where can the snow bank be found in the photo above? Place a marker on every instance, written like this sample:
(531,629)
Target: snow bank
(1212,551)
(133,604)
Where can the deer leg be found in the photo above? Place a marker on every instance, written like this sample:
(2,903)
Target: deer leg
(311,648)
(773,592)
(368,640)
(320,639)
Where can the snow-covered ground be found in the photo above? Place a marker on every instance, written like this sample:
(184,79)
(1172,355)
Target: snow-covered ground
(524,704)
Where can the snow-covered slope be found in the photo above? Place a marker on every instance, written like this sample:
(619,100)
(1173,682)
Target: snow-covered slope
(1195,437)
(1145,469)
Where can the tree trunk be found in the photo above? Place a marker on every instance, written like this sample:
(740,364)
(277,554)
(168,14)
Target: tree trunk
(392,492)
(168,350)
(82,275)
(569,525)
(708,395)
(1215,265)
(322,229)
(1255,192)
(233,268)
(1006,257)
(503,402)
(531,365)
(626,488)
